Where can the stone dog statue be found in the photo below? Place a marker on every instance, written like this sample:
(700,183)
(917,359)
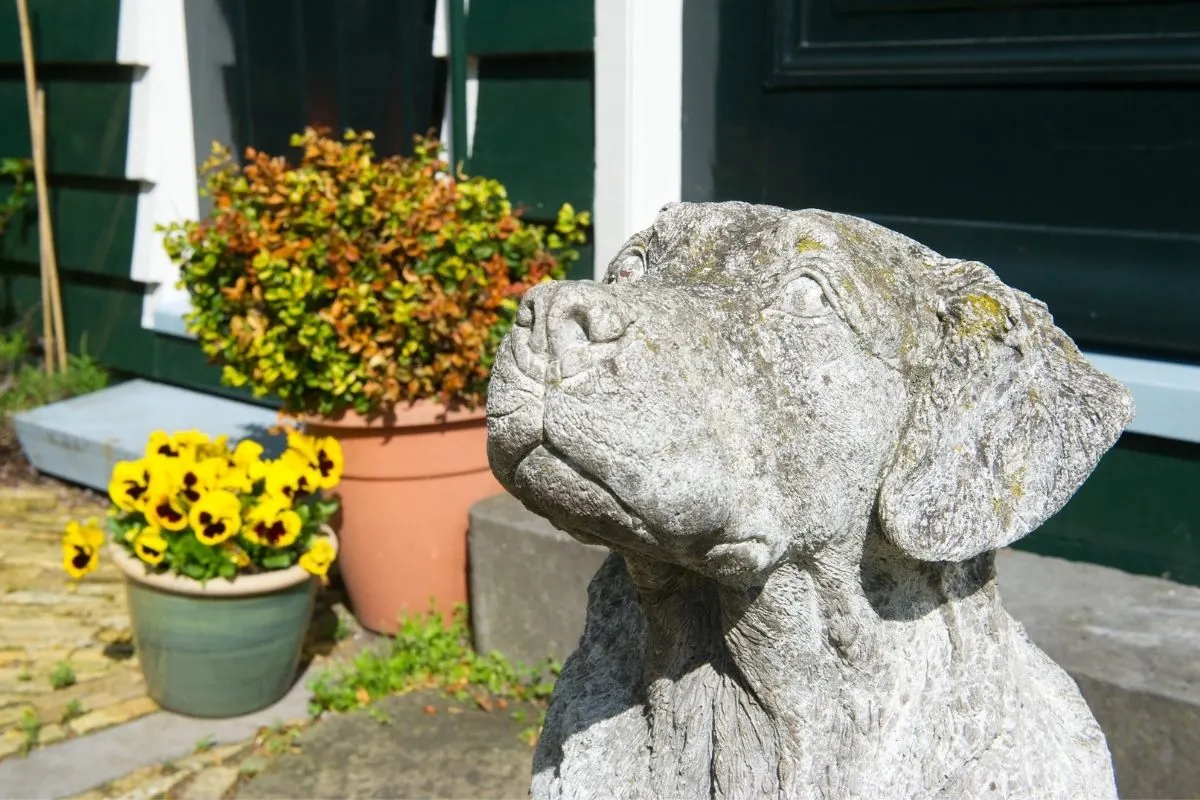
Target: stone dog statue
(802,436)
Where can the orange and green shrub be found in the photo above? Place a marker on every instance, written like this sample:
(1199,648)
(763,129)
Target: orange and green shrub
(351,281)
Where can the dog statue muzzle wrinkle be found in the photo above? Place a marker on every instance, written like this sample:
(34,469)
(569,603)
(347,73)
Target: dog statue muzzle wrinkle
(802,436)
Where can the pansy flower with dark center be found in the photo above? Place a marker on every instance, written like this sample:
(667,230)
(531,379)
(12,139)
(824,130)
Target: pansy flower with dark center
(273,523)
(130,483)
(81,548)
(291,478)
(164,508)
(150,546)
(181,445)
(194,479)
(321,455)
(216,517)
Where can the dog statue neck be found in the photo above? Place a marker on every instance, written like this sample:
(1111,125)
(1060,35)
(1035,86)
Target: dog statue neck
(814,667)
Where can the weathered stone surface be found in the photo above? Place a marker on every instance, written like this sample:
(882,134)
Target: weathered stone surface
(528,582)
(803,436)
(468,754)
(114,714)
(184,777)
(210,783)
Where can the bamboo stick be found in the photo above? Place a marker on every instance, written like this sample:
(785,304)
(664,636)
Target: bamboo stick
(48,253)
(55,343)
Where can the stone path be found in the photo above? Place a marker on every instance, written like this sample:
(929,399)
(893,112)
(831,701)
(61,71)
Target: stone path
(49,624)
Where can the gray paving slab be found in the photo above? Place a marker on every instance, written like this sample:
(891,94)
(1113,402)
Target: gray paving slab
(76,765)
(464,754)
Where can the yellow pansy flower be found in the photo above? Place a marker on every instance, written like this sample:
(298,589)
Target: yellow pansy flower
(181,445)
(217,448)
(129,483)
(216,516)
(323,456)
(273,523)
(81,547)
(164,508)
(194,479)
(329,463)
(247,454)
(318,558)
(290,477)
(235,479)
(150,546)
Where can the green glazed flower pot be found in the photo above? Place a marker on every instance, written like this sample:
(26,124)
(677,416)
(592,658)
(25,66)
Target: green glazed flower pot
(219,649)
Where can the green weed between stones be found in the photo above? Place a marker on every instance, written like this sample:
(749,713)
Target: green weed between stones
(427,654)
(63,676)
(31,728)
(74,710)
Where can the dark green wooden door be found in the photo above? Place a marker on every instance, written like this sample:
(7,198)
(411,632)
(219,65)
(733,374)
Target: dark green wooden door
(1058,141)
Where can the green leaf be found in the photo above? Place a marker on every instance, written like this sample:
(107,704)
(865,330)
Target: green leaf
(280,560)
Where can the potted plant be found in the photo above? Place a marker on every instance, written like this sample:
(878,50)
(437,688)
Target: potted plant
(222,551)
(369,295)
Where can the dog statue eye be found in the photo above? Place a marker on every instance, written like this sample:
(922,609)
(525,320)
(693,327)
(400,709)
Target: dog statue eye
(628,267)
(805,297)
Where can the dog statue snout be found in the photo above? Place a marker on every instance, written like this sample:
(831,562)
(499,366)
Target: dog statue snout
(573,325)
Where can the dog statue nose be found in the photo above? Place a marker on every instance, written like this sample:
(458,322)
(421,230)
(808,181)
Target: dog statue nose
(574,323)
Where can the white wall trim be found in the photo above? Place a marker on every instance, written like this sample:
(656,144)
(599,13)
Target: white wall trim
(441,49)
(639,117)
(160,152)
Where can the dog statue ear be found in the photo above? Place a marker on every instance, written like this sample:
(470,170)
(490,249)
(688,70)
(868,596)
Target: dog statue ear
(1008,420)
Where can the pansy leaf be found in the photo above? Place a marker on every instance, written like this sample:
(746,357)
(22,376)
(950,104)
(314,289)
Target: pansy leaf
(281,560)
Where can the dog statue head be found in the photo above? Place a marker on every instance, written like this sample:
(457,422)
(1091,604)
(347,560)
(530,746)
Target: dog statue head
(749,385)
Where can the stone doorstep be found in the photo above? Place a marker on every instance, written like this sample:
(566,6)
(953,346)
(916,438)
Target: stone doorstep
(1132,643)
(81,438)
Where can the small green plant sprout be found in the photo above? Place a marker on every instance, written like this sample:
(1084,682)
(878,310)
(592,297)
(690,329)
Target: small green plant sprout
(426,654)
(24,676)
(206,744)
(31,729)
(74,710)
(62,676)
(279,739)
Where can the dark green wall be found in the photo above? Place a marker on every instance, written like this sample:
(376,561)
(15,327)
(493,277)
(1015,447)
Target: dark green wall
(1063,156)
(93,206)
(534,128)
(353,63)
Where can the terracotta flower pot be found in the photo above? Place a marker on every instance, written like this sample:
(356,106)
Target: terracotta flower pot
(408,483)
(221,648)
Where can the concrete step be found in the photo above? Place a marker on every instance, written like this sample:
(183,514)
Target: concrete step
(80,439)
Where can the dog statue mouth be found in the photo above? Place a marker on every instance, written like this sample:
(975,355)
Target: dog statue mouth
(555,486)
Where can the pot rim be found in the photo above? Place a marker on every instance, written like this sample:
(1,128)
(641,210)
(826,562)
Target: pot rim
(241,586)
(418,414)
